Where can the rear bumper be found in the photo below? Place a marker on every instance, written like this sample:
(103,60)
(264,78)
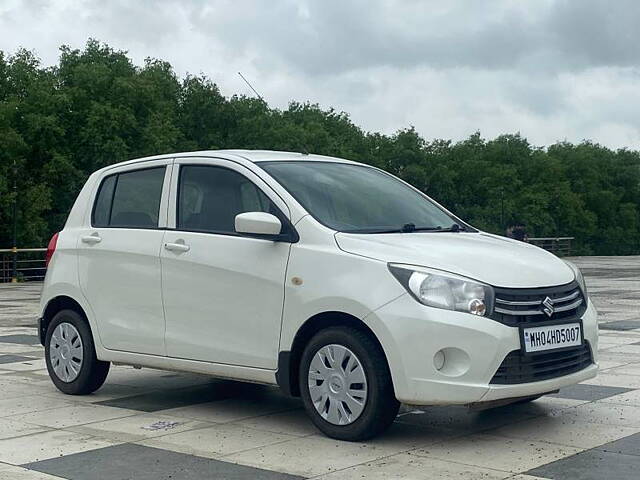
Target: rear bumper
(474,349)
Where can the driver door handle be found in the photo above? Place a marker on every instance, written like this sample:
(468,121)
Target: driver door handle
(177,247)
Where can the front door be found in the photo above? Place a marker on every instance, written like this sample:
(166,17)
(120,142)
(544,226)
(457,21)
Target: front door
(223,292)
(119,257)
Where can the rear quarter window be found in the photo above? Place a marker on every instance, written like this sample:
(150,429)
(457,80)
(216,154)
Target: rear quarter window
(102,208)
(130,199)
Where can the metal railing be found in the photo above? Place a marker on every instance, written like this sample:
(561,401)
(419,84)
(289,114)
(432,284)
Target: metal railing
(560,246)
(29,264)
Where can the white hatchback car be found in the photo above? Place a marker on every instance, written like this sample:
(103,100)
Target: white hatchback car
(333,279)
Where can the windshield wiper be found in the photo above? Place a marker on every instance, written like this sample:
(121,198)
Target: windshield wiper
(406,228)
(409,228)
(454,228)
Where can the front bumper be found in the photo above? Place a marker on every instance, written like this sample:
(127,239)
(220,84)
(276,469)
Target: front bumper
(474,347)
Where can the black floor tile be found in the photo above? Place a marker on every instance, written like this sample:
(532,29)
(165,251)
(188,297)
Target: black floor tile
(22,339)
(620,325)
(591,465)
(628,446)
(589,392)
(181,397)
(131,461)
(14,358)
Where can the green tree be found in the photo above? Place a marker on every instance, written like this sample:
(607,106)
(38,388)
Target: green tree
(95,108)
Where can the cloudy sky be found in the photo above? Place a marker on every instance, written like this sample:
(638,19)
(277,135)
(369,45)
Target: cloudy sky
(549,69)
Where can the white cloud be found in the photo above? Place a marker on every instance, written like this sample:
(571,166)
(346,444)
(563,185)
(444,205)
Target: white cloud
(552,70)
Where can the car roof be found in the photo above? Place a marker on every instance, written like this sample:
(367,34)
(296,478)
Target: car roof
(242,155)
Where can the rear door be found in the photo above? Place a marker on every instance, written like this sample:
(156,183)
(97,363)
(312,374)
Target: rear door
(119,256)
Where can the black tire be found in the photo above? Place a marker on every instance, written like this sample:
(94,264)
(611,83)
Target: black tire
(93,372)
(381,406)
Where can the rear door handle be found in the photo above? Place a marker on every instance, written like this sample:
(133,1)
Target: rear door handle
(91,239)
(177,247)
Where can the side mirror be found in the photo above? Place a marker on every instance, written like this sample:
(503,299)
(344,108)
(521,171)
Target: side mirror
(258,223)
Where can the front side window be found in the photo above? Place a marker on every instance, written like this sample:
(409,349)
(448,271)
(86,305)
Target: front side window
(130,199)
(209,198)
(358,199)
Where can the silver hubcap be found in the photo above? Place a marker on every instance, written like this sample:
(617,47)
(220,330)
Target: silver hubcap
(337,384)
(65,352)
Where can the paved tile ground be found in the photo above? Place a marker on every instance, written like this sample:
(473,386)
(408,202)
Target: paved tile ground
(163,425)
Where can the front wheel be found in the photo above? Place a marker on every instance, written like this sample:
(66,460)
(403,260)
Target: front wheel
(346,386)
(71,355)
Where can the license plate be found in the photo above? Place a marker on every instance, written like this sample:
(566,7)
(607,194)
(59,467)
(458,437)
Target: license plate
(550,337)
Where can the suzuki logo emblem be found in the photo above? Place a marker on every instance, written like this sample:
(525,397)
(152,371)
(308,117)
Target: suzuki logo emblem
(548,306)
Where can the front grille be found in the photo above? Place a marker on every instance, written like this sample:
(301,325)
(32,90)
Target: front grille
(524,306)
(520,368)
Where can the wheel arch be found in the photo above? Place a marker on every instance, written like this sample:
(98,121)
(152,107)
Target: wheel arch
(55,305)
(289,361)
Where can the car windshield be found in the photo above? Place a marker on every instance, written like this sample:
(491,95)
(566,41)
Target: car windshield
(359,199)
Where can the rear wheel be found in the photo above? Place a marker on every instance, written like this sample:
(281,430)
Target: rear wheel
(71,356)
(346,386)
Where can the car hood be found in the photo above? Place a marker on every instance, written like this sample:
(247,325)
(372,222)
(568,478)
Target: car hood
(497,261)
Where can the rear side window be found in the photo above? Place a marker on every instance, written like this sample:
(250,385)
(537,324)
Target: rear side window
(130,199)
(209,198)
(102,209)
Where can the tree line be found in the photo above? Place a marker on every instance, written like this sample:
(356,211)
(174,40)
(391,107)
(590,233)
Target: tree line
(96,107)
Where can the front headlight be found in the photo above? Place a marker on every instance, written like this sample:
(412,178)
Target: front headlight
(579,276)
(439,289)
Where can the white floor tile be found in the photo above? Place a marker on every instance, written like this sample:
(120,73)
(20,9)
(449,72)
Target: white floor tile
(318,455)
(19,389)
(10,428)
(603,413)
(30,403)
(628,369)
(216,440)
(565,431)
(11,472)
(108,391)
(16,348)
(628,398)
(527,477)
(25,366)
(41,446)
(499,453)
(139,427)
(295,422)
(610,379)
(607,365)
(615,340)
(412,467)
(74,415)
(633,349)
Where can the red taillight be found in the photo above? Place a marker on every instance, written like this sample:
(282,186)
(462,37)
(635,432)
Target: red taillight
(50,249)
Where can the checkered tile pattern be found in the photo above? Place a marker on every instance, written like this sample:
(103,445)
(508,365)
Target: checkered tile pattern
(149,424)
